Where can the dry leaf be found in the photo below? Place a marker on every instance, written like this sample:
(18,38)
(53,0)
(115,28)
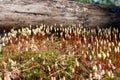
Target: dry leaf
(7,76)
(15,73)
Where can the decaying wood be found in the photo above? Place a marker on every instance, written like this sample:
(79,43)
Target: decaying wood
(19,13)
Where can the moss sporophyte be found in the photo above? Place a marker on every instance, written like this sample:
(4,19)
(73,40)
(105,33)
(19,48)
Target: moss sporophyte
(60,53)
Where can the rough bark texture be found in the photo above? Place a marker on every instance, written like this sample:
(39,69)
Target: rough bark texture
(19,13)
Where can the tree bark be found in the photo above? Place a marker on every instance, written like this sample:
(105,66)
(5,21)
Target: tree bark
(20,13)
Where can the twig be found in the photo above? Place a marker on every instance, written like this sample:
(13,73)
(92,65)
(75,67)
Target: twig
(68,74)
(25,64)
(30,68)
(64,56)
(56,72)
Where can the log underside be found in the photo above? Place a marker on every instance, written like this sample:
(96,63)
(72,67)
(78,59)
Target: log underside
(21,13)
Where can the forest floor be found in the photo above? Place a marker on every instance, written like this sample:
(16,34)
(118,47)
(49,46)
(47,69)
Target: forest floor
(64,53)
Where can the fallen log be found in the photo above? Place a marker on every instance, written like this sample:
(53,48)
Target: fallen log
(20,13)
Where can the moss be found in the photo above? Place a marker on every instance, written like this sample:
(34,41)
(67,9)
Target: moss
(51,56)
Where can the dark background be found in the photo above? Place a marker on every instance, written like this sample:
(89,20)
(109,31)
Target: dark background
(104,2)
